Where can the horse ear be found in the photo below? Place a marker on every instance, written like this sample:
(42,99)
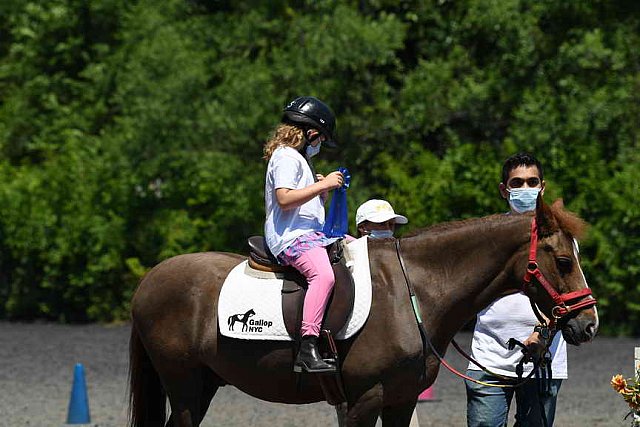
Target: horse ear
(558,204)
(547,223)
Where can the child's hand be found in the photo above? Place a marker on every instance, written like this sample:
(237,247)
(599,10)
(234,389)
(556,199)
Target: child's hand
(333,180)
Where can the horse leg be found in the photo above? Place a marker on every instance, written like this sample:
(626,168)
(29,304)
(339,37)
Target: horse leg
(190,392)
(398,416)
(341,414)
(364,411)
(210,385)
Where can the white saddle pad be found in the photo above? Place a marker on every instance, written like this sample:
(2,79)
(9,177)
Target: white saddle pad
(250,303)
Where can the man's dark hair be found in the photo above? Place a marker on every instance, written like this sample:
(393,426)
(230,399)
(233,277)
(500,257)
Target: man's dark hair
(520,159)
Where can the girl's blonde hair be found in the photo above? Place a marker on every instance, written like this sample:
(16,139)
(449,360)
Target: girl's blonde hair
(283,136)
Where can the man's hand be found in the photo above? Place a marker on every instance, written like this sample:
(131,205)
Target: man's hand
(536,346)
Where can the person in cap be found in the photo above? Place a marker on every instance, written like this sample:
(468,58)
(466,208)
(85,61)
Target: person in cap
(376,218)
(294,204)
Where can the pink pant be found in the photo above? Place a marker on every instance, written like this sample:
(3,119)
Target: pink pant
(315,267)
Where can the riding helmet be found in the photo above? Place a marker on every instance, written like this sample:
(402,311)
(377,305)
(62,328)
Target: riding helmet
(310,112)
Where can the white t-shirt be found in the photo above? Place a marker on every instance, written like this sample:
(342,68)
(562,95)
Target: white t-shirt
(288,169)
(511,317)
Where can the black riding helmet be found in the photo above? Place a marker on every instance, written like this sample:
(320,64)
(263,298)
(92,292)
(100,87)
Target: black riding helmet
(309,112)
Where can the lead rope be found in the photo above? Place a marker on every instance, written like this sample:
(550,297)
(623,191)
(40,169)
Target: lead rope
(544,378)
(511,343)
(544,387)
(426,341)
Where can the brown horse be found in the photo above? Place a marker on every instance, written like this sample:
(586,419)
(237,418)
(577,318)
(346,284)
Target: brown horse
(457,268)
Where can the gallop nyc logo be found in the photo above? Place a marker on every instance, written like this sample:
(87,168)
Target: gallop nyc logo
(249,324)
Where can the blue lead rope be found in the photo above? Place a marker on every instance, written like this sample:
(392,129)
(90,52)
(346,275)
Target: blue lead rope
(337,224)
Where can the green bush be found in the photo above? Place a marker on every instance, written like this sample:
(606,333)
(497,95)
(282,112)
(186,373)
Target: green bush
(132,132)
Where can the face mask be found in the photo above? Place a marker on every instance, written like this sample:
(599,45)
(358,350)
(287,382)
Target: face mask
(381,234)
(312,151)
(523,199)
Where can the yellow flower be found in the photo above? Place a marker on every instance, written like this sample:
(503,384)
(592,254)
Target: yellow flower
(618,383)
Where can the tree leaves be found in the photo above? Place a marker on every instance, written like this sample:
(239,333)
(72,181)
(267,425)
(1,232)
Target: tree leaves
(131,132)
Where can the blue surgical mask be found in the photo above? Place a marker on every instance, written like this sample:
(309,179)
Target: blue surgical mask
(381,234)
(312,151)
(523,199)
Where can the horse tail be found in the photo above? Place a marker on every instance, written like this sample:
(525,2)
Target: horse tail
(147,398)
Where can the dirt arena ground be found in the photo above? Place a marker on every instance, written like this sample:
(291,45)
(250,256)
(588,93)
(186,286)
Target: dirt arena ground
(37,363)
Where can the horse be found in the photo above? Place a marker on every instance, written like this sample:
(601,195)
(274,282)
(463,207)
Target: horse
(456,269)
(242,318)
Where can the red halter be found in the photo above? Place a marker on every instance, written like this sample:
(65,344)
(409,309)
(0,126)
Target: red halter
(561,308)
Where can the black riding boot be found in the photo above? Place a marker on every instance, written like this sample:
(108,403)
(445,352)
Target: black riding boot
(309,358)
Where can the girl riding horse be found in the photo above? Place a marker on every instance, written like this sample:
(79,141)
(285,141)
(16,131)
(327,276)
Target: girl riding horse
(294,201)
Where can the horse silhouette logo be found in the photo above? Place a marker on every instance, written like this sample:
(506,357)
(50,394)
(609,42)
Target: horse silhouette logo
(242,318)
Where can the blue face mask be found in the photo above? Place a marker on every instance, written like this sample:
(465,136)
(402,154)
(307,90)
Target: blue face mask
(312,151)
(523,199)
(381,234)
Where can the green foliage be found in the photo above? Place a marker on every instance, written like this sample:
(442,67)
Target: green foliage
(132,132)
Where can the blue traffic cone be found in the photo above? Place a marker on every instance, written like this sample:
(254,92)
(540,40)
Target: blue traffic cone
(79,402)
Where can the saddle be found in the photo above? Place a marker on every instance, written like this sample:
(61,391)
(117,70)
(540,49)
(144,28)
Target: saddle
(294,287)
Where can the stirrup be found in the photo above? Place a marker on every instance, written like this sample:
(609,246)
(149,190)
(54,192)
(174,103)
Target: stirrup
(298,367)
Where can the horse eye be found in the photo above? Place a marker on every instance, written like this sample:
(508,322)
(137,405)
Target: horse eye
(565,265)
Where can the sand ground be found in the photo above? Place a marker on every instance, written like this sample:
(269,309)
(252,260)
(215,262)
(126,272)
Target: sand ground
(37,362)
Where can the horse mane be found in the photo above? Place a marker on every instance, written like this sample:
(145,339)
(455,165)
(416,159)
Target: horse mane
(445,227)
(566,221)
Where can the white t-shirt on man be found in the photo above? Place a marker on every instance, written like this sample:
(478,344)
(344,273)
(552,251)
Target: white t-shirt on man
(288,169)
(511,317)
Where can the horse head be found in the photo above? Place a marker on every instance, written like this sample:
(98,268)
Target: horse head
(553,278)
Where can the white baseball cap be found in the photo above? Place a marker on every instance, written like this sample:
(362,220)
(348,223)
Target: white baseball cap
(375,210)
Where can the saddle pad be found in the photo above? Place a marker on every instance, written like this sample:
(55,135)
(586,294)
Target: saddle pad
(250,303)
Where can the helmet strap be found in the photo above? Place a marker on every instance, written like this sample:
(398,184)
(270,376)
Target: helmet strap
(303,148)
(303,151)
